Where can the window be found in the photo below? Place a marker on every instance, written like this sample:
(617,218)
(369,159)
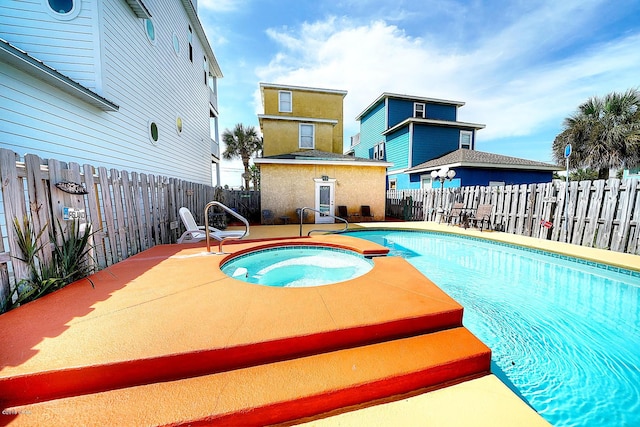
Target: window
(176,43)
(307,136)
(190,39)
(466,139)
(64,10)
(153,132)
(61,6)
(393,183)
(284,101)
(205,65)
(150,29)
(378,151)
(419,110)
(426,181)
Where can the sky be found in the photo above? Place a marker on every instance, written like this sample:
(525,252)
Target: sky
(520,66)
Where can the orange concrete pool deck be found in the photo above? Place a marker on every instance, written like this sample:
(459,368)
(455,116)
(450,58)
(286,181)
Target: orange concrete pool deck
(165,338)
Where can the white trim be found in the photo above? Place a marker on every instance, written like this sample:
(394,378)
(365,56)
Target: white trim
(99,47)
(175,39)
(297,119)
(304,88)
(199,32)
(466,132)
(445,123)
(423,177)
(28,64)
(153,40)
(73,13)
(386,115)
(410,153)
(486,166)
(424,110)
(179,127)
(331,183)
(397,171)
(386,96)
(281,92)
(150,134)
(259,160)
(313,136)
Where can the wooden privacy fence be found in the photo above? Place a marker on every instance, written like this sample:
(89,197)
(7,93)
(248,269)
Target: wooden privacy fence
(128,211)
(600,214)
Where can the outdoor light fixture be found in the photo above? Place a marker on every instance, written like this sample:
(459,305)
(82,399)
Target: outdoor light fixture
(442,175)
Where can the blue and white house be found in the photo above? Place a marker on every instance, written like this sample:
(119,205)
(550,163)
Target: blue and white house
(125,84)
(419,135)
(409,130)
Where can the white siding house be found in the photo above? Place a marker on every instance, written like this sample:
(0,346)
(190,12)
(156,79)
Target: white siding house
(125,84)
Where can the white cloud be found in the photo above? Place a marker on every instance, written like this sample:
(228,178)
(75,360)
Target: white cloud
(220,5)
(513,79)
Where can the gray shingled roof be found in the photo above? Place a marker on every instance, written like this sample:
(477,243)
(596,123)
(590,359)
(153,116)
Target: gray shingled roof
(471,158)
(320,155)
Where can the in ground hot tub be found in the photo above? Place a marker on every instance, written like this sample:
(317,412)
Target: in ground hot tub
(297,266)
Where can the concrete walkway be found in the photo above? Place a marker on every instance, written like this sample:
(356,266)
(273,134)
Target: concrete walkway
(166,338)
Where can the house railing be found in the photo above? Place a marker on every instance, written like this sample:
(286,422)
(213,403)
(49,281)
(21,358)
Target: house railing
(128,211)
(305,209)
(600,214)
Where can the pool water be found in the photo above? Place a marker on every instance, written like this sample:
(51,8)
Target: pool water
(564,335)
(297,266)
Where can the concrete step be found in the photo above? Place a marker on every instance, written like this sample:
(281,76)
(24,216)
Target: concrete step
(173,335)
(276,392)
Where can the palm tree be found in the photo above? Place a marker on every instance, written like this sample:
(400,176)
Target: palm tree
(604,133)
(243,142)
(255,176)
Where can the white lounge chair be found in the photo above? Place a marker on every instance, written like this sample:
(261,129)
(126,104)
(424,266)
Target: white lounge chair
(196,233)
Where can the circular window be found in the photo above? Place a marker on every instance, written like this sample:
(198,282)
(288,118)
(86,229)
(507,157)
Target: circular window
(179,125)
(153,132)
(61,6)
(62,9)
(151,30)
(176,44)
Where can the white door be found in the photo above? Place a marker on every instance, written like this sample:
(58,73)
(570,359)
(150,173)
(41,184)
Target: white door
(325,201)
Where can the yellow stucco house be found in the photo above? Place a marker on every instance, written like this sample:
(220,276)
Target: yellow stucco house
(302,163)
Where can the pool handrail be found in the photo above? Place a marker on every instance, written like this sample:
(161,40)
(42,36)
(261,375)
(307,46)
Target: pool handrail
(230,211)
(346,226)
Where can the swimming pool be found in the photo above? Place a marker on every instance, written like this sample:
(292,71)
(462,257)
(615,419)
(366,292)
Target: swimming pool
(565,335)
(296,266)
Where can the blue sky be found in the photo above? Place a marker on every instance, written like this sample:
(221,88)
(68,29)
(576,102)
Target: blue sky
(521,66)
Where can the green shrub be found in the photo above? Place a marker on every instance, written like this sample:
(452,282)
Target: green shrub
(70,261)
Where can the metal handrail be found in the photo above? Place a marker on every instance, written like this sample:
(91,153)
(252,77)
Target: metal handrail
(346,227)
(228,210)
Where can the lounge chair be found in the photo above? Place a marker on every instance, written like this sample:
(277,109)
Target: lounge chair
(195,233)
(482,215)
(454,214)
(365,212)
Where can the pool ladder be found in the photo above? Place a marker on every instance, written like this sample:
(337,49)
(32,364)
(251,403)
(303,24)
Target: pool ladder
(346,226)
(230,211)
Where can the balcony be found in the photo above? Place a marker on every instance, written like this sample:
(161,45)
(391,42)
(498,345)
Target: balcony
(215,149)
(213,100)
